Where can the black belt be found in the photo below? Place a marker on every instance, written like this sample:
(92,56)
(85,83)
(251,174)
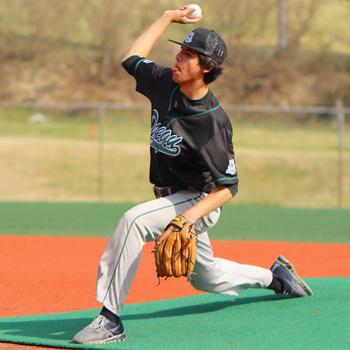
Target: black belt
(166,191)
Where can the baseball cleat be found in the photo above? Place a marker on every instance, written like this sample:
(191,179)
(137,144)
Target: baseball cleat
(101,331)
(293,284)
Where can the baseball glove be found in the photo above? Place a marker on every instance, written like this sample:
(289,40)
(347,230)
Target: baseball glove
(175,253)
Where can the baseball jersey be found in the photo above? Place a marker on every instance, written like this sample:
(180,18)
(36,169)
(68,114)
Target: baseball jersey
(191,140)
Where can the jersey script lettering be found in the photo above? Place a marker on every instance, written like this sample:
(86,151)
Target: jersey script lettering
(162,139)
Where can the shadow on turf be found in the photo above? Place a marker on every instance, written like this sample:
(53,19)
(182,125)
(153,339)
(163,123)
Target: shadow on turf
(200,308)
(65,329)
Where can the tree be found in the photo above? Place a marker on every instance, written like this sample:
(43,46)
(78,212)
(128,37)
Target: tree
(283,25)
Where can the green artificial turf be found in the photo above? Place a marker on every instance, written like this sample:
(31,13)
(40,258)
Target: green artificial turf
(256,320)
(237,222)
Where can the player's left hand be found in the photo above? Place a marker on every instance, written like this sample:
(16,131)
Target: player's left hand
(176,249)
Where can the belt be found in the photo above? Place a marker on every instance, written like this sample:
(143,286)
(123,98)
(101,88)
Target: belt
(165,191)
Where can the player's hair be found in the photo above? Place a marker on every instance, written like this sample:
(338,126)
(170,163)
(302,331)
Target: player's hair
(216,68)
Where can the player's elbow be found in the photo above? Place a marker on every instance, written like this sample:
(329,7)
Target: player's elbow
(125,58)
(234,190)
(230,194)
(130,53)
(230,191)
(222,193)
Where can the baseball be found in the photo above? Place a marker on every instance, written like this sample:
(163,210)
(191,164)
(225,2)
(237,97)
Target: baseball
(197,10)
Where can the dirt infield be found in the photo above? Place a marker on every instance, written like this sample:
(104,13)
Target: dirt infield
(57,274)
(9,346)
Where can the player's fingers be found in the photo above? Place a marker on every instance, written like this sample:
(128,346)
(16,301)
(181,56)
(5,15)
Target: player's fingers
(193,20)
(187,10)
(184,12)
(164,234)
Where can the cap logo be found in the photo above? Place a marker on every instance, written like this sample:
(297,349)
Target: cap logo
(220,53)
(189,38)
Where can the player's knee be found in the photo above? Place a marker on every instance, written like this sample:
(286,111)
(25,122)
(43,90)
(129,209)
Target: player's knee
(200,281)
(136,213)
(129,217)
(194,282)
(133,222)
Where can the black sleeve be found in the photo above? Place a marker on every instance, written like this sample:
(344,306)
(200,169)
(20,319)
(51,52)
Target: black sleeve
(218,155)
(146,73)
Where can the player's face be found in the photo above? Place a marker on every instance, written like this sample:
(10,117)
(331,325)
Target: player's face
(187,67)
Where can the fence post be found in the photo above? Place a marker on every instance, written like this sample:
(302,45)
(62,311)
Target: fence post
(340,113)
(101,132)
(282,23)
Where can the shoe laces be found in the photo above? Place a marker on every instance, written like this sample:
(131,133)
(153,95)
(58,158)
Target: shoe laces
(285,293)
(98,322)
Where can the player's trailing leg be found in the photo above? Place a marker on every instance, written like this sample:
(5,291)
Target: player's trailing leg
(291,284)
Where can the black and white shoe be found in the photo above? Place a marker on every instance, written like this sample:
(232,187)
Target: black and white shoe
(293,284)
(101,331)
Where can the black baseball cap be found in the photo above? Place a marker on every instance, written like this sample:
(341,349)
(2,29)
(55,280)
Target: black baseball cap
(206,42)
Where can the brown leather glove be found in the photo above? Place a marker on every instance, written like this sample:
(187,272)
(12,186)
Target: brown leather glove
(175,251)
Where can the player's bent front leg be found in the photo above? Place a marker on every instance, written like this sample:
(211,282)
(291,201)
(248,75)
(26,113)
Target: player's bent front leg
(120,261)
(121,258)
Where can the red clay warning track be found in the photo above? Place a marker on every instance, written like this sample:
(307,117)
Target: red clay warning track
(57,274)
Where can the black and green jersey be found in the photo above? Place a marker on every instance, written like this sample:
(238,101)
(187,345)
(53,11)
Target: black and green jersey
(191,140)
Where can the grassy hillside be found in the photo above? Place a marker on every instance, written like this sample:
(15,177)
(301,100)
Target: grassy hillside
(63,50)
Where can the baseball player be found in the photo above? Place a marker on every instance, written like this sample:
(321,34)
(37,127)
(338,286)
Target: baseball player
(193,170)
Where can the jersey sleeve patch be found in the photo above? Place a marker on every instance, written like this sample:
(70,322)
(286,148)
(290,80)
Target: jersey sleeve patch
(231,168)
(146,61)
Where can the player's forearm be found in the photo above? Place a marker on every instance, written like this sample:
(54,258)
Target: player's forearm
(145,42)
(215,199)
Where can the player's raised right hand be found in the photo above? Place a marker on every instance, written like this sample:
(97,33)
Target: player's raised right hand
(182,15)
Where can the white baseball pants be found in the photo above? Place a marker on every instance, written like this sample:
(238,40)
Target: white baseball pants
(144,223)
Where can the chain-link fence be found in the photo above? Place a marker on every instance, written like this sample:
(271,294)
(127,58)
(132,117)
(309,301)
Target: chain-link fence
(294,156)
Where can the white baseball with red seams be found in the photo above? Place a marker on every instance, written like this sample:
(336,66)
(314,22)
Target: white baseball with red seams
(197,11)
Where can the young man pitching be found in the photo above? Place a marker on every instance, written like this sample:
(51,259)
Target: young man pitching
(193,171)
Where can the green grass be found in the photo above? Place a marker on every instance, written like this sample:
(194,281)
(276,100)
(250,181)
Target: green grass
(129,126)
(297,133)
(238,222)
(282,160)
